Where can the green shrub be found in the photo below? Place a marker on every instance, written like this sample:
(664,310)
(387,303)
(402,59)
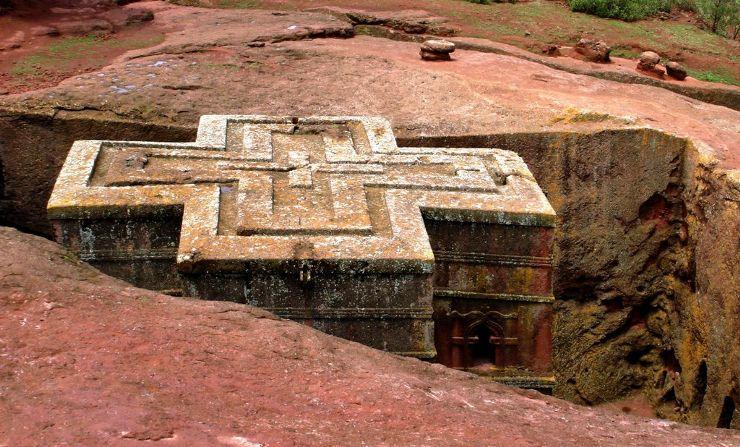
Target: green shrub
(629,10)
(488,2)
(711,76)
(684,5)
(721,16)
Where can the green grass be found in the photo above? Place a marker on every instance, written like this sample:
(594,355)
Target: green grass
(692,38)
(28,66)
(236,4)
(60,51)
(629,10)
(60,54)
(627,53)
(554,23)
(499,28)
(70,45)
(571,115)
(523,11)
(713,76)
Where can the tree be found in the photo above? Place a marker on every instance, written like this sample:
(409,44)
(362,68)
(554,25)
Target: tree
(721,16)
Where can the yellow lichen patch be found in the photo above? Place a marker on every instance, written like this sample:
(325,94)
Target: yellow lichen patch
(300,177)
(571,115)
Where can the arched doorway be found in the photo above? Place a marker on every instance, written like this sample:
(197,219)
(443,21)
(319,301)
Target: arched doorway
(475,339)
(481,351)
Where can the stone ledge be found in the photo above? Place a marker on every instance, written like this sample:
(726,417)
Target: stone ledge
(448,293)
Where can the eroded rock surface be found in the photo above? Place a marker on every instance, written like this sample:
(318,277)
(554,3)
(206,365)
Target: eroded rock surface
(93,361)
(594,50)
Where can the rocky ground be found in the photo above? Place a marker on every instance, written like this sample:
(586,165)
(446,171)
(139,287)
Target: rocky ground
(303,63)
(89,360)
(535,25)
(44,42)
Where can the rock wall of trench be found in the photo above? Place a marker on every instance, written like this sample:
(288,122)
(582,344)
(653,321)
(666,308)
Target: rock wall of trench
(33,148)
(646,251)
(646,276)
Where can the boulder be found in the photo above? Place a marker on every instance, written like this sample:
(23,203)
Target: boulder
(128,16)
(13,42)
(675,70)
(44,31)
(83,27)
(438,46)
(648,61)
(551,50)
(594,50)
(138,15)
(437,50)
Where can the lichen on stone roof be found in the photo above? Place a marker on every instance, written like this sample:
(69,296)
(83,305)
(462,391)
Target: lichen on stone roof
(335,189)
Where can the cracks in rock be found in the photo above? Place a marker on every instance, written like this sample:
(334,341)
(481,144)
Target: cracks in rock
(185,87)
(164,435)
(174,50)
(309,34)
(83,108)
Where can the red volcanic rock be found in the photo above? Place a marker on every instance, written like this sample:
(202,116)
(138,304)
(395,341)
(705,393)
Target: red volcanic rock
(89,361)
(128,16)
(83,27)
(44,31)
(648,60)
(676,70)
(593,50)
(13,42)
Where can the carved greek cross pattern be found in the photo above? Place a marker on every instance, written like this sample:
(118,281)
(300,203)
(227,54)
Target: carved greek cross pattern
(259,188)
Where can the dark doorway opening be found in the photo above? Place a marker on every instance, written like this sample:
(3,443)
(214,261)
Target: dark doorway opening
(481,351)
(700,385)
(2,180)
(728,411)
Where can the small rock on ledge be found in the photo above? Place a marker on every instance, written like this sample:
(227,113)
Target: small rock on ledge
(594,50)
(436,50)
(648,61)
(675,70)
(551,50)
